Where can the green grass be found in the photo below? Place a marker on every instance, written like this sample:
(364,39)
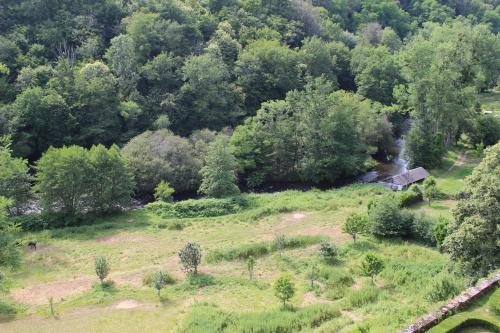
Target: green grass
(135,246)
(490,101)
(479,315)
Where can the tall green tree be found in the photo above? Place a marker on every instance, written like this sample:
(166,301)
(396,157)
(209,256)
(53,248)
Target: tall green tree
(10,255)
(473,234)
(15,180)
(219,172)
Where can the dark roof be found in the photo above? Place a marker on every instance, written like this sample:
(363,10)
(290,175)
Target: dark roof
(411,176)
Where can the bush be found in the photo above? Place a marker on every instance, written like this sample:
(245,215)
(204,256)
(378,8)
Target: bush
(148,279)
(386,219)
(102,268)
(441,231)
(443,287)
(423,229)
(190,256)
(163,192)
(31,222)
(411,196)
(197,208)
(329,251)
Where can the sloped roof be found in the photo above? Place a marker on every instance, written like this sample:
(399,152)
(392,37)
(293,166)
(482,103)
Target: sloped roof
(411,176)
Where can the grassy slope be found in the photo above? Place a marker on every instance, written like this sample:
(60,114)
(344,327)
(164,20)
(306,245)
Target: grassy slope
(136,247)
(490,101)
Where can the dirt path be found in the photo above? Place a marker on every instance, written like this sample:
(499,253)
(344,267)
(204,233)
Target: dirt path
(458,162)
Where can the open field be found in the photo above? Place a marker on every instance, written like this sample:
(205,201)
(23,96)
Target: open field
(138,242)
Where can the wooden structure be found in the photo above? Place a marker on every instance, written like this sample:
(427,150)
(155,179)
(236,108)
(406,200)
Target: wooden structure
(404,180)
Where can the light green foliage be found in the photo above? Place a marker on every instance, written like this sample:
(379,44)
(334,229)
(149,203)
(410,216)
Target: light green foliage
(355,224)
(473,235)
(74,181)
(284,288)
(442,288)
(190,256)
(209,207)
(279,243)
(430,189)
(163,192)
(101,267)
(441,231)
(219,172)
(312,273)
(372,265)
(14,179)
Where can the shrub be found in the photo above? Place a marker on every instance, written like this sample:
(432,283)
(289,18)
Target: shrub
(423,229)
(190,256)
(329,251)
(197,208)
(159,281)
(250,266)
(148,278)
(411,196)
(443,287)
(279,243)
(102,268)
(31,222)
(386,219)
(441,231)
(355,224)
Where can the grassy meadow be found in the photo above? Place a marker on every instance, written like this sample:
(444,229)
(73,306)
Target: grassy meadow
(223,297)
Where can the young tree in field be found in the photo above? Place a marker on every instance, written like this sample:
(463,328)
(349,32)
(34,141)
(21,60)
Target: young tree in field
(280,243)
(312,273)
(159,281)
(14,179)
(9,252)
(250,266)
(190,256)
(164,192)
(328,251)
(102,268)
(430,189)
(218,174)
(473,234)
(284,288)
(355,224)
(372,265)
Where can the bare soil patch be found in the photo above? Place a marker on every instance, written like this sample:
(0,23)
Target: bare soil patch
(332,232)
(127,304)
(122,239)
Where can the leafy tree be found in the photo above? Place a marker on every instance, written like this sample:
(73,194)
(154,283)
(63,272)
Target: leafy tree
(14,179)
(329,251)
(190,256)
(284,288)
(372,265)
(161,155)
(385,12)
(207,99)
(376,72)
(9,251)
(391,40)
(164,192)
(441,231)
(355,224)
(267,71)
(218,174)
(250,266)
(102,268)
(430,189)
(473,234)
(159,281)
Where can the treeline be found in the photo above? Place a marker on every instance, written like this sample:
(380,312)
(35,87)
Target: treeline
(306,90)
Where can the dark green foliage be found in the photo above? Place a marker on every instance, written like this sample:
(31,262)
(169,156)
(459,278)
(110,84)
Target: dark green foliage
(329,251)
(190,256)
(371,265)
(197,208)
(473,235)
(9,252)
(423,229)
(386,218)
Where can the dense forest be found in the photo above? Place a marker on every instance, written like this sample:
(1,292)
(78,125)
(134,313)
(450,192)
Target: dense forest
(303,91)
